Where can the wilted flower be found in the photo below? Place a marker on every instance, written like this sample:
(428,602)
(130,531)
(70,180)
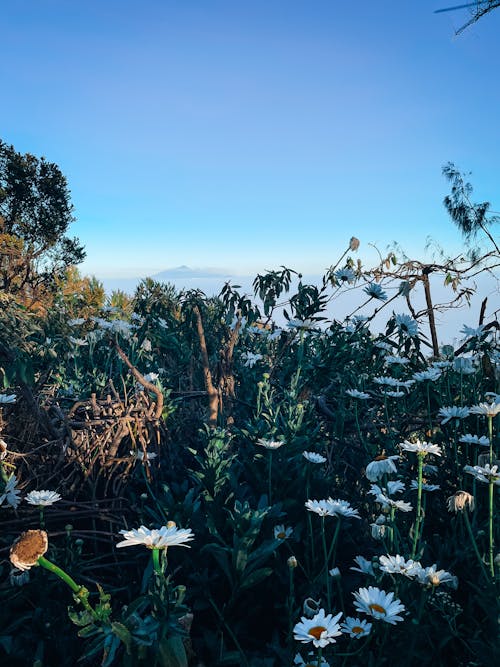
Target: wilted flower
(28,548)
(453,412)
(355,628)
(364,566)
(321,630)
(379,604)
(292,562)
(312,457)
(353,243)
(42,498)
(160,538)
(459,501)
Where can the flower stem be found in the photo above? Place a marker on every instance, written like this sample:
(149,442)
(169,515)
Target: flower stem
(474,544)
(416,534)
(156,561)
(81,593)
(327,575)
(492,566)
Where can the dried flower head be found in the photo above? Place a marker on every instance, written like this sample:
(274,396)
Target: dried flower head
(459,501)
(28,548)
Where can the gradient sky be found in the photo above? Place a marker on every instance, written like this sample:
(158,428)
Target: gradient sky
(246,135)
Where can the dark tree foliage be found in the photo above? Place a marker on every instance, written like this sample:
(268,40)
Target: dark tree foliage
(35,213)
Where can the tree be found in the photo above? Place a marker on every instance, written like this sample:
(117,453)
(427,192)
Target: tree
(478,9)
(35,213)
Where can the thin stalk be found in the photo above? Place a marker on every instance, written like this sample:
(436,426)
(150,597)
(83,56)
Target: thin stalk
(419,506)
(474,544)
(155,553)
(325,552)
(80,591)
(490,436)
(229,632)
(490,496)
(269,474)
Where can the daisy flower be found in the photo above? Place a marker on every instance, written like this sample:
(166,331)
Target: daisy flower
(321,629)
(374,291)
(299,661)
(312,457)
(485,409)
(425,486)
(251,359)
(380,466)
(470,439)
(282,533)
(396,504)
(391,359)
(345,275)
(406,325)
(431,577)
(7,398)
(453,412)
(394,394)
(420,448)
(160,538)
(270,444)
(364,566)
(354,393)
(398,565)
(42,498)
(379,604)
(463,365)
(485,473)
(431,374)
(11,493)
(471,332)
(355,628)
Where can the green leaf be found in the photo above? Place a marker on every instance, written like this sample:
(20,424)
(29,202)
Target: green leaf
(122,632)
(171,653)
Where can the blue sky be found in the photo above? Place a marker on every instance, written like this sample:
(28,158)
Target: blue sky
(246,135)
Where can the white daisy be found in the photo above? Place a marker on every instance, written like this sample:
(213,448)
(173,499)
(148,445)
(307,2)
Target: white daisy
(398,565)
(354,393)
(394,394)
(321,630)
(11,493)
(385,501)
(471,332)
(431,577)
(453,412)
(355,628)
(420,448)
(160,538)
(379,604)
(270,444)
(312,457)
(251,359)
(391,359)
(463,365)
(7,398)
(139,455)
(282,533)
(374,291)
(431,374)
(364,566)
(380,466)
(425,486)
(345,275)
(406,325)
(42,498)
(485,409)
(485,473)
(470,439)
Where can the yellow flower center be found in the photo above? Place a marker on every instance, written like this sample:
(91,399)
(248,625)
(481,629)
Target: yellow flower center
(378,608)
(357,629)
(381,457)
(281,535)
(317,631)
(434,580)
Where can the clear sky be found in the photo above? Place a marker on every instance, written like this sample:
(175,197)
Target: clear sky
(244,134)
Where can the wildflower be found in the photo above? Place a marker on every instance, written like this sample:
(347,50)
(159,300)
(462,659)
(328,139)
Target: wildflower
(380,466)
(420,448)
(298,660)
(140,456)
(430,577)
(459,501)
(374,291)
(387,381)
(354,393)
(391,359)
(392,488)
(78,342)
(282,533)
(425,485)
(379,604)
(470,439)
(454,412)
(42,498)
(11,493)
(463,365)
(485,473)
(471,332)
(364,566)
(274,334)
(7,398)
(270,444)
(28,548)
(431,374)
(151,377)
(407,325)
(353,244)
(398,565)
(160,538)
(355,628)
(394,394)
(385,501)
(345,275)
(251,359)
(321,630)
(305,325)
(76,322)
(486,409)
(382,345)
(330,507)
(312,457)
